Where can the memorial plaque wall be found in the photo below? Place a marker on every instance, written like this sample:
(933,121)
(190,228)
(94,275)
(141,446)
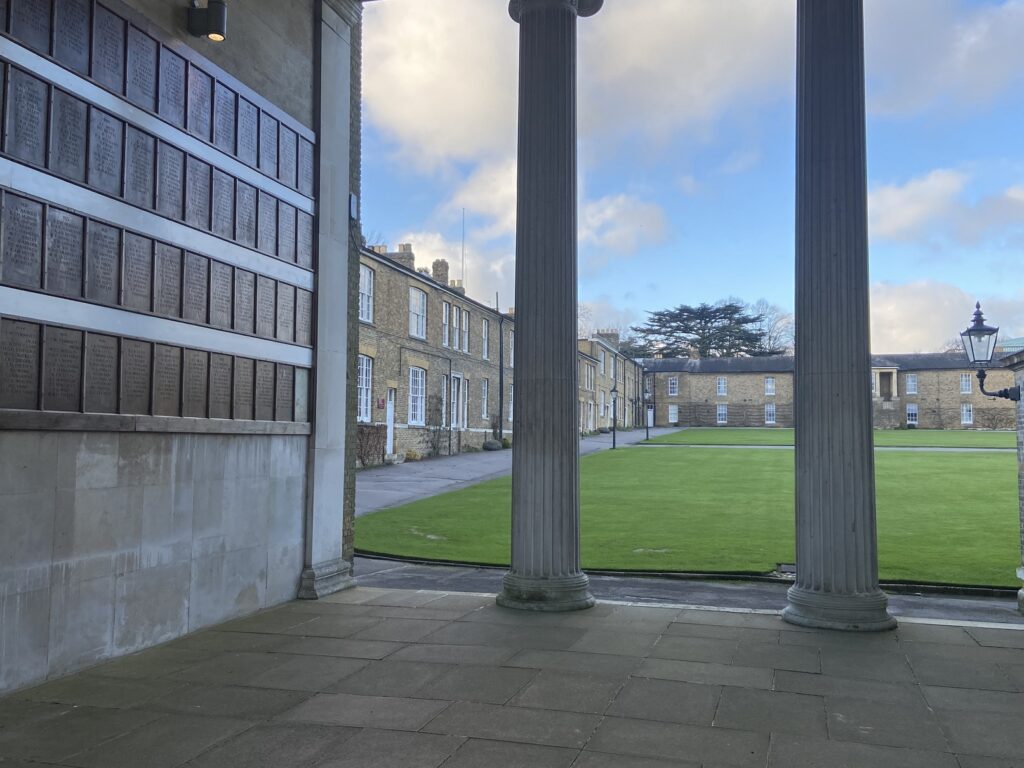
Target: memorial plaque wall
(200,102)
(220,386)
(264,397)
(245,219)
(197,194)
(248,132)
(267,224)
(172,87)
(102,263)
(30,23)
(140,173)
(285,232)
(197,280)
(224,118)
(71,21)
(245,301)
(26,117)
(62,369)
(170,181)
(194,384)
(303,317)
(105,135)
(268,144)
(137,288)
(100,374)
(284,400)
(285,312)
(243,400)
(221,279)
(301,395)
(19,364)
(166,380)
(65,244)
(142,67)
(136,369)
(223,205)
(23,242)
(305,169)
(266,311)
(304,241)
(288,157)
(68,136)
(167,282)
(108,49)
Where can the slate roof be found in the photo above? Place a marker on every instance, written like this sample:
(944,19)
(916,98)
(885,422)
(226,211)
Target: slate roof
(925,361)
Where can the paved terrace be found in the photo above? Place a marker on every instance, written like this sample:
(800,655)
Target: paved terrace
(408,679)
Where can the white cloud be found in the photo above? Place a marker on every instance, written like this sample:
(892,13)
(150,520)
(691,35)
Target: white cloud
(908,211)
(488,270)
(740,161)
(489,191)
(688,184)
(619,226)
(603,314)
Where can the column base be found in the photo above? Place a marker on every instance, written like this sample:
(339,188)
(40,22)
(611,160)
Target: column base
(1020,594)
(325,579)
(831,610)
(560,593)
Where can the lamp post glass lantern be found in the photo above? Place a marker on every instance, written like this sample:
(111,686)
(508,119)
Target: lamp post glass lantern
(979,342)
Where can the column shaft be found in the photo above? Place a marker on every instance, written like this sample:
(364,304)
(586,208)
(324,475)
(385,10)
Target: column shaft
(837,561)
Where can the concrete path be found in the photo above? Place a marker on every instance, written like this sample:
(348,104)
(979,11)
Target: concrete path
(390,486)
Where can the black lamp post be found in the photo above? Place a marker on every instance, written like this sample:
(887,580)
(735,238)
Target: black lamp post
(615,411)
(647,398)
(979,342)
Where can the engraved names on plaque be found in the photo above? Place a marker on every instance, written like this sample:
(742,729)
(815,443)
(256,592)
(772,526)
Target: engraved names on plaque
(224,118)
(62,369)
(196,286)
(172,87)
(140,173)
(287,157)
(267,224)
(220,386)
(194,384)
(264,398)
(166,380)
(285,232)
(102,257)
(245,217)
(200,102)
(223,208)
(19,364)
(301,395)
(65,243)
(137,288)
(285,394)
(242,402)
(197,194)
(105,133)
(71,34)
(305,169)
(135,376)
(142,68)
(285,312)
(100,374)
(26,117)
(303,317)
(23,242)
(248,132)
(304,240)
(245,301)
(221,279)
(265,309)
(167,281)
(170,181)
(268,144)
(30,23)
(108,49)
(68,136)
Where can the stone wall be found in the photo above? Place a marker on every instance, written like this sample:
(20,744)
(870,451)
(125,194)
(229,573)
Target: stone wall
(114,542)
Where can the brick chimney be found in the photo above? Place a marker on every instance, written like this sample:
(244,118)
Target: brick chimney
(457,286)
(404,256)
(611,336)
(439,271)
(380,249)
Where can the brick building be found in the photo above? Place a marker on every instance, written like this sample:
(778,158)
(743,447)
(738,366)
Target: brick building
(610,384)
(927,391)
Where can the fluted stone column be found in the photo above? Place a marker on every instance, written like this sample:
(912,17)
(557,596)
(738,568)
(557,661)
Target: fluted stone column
(836,546)
(545,573)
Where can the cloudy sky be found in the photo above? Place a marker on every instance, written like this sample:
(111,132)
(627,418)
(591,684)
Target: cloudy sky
(686,128)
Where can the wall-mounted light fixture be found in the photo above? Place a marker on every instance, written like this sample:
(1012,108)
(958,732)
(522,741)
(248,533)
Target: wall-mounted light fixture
(979,342)
(210,22)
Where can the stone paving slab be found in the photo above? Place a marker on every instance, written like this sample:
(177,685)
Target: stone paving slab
(389,678)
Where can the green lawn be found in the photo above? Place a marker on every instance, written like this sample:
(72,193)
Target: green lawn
(942,517)
(926,438)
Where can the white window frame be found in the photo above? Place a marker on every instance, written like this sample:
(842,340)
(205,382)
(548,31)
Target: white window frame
(444,400)
(673,386)
(511,349)
(456,327)
(457,397)
(511,399)
(722,413)
(769,386)
(615,367)
(364,388)
(485,338)
(417,314)
(366,281)
(465,331)
(911,384)
(417,396)
(965,383)
(673,414)
(603,404)
(446,313)
(912,414)
(601,361)
(769,413)
(485,386)
(967,413)
(722,386)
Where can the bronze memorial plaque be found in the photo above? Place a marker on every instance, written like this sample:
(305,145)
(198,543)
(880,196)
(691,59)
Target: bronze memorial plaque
(105,134)
(135,376)
(23,242)
(100,374)
(30,23)
(166,380)
(68,135)
(19,364)
(288,159)
(102,260)
(268,144)
(221,280)
(303,317)
(197,279)
(305,169)
(200,102)
(285,396)
(265,310)
(65,252)
(170,181)
(220,386)
(142,68)
(264,398)
(224,118)
(267,224)
(194,382)
(167,281)
(137,284)
(248,132)
(197,194)
(301,394)
(242,403)
(140,173)
(172,87)
(285,312)
(245,301)
(304,240)
(108,49)
(223,208)
(26,117)
(62,369)
(285,232)
(71,34)
(245,215)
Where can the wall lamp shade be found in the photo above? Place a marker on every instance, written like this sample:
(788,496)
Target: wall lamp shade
(979,339)
(210,22)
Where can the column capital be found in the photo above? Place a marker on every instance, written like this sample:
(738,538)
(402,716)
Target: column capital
(581,7)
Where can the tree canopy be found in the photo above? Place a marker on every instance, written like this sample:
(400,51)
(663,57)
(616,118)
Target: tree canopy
(725,329)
